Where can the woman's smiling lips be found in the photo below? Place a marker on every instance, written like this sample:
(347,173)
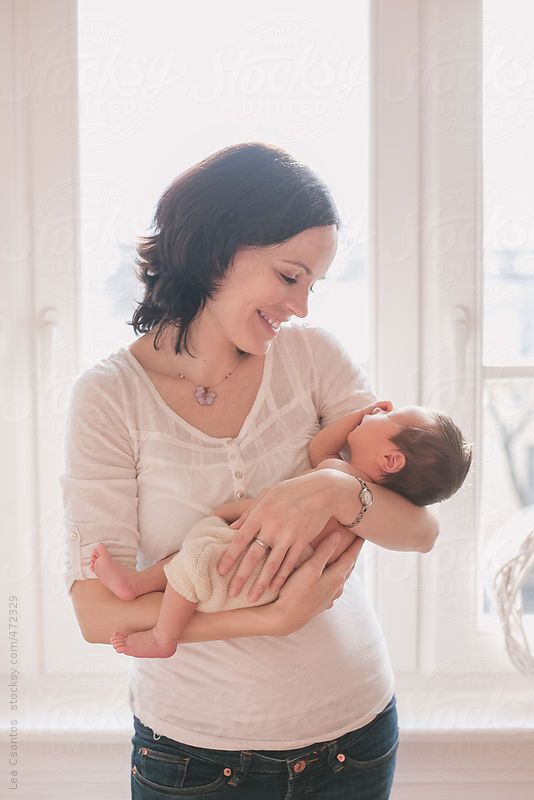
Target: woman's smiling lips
(274,326)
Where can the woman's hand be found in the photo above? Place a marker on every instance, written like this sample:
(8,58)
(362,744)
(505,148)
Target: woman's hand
(286,517)
(313,587)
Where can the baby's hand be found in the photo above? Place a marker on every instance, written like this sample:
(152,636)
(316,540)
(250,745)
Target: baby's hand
(385,405)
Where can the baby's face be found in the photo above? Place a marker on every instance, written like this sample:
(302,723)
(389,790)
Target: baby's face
(376,430)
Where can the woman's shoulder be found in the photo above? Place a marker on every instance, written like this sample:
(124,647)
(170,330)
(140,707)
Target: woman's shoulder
(310,340)
(103,381)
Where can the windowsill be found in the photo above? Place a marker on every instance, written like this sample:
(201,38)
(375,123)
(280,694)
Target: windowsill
(69,709)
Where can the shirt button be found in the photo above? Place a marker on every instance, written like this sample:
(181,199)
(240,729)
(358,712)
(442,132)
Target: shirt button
(299,766)
(74,535)
(240,495)
(238,474)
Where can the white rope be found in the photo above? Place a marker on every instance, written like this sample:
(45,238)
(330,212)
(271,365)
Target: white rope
(508,583)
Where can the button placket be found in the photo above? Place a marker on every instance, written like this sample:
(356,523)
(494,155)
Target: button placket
(236,465)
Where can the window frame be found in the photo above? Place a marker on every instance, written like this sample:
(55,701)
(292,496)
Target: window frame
(433,177)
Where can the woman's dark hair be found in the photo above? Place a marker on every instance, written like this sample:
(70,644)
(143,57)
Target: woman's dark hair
(248,194)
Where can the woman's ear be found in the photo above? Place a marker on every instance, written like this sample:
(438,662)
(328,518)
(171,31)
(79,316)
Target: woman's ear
(392,462)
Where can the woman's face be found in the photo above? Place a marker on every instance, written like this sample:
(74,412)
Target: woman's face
(267,280)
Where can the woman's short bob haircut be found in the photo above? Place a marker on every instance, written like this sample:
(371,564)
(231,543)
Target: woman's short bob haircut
(248,194)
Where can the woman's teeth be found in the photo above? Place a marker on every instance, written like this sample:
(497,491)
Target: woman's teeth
(274,325)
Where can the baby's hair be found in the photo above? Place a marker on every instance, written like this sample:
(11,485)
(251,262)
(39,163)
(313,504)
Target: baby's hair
(437,461)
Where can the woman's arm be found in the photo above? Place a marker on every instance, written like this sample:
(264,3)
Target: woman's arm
(311,589)
(100,614)
(392,521)
(291,514)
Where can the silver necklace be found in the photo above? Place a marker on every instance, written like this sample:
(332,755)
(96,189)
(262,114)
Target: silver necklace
(204,395)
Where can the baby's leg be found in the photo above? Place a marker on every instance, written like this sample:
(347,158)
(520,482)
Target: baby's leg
(346,538)
(161,640)
(124,582)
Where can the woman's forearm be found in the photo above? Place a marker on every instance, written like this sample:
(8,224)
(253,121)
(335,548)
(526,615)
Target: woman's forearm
(391,522)
(234,624)
(100,614)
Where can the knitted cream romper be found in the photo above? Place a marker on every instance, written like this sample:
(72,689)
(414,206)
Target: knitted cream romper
(193,570)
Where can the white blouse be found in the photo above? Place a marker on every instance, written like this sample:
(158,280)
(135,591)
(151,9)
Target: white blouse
(138,476)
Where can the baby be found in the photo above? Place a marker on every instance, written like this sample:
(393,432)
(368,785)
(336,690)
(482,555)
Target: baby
(412,450)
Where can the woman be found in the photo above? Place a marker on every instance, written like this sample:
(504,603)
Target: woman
(215,400)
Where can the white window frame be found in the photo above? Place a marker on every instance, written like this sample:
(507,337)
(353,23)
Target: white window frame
(441,642)
(427,63)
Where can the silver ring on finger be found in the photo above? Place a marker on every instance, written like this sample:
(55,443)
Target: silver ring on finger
(267,547)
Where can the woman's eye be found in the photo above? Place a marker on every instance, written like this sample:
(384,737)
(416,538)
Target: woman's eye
(291,281)
(287,279)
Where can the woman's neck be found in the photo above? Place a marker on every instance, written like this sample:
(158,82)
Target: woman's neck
(208,365)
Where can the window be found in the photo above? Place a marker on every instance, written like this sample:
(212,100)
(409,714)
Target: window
(507,507)
(438,320)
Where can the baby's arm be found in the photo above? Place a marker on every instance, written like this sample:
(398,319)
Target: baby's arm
(328,442)
(229,511)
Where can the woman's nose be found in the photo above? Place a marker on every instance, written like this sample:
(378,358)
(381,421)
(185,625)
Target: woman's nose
(299,305)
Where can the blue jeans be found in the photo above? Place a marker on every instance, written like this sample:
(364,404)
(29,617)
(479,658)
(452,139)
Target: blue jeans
(359,765)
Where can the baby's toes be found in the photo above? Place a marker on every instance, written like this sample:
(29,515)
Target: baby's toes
(118,640)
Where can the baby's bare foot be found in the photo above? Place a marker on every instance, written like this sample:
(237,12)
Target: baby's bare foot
(120,579)
(143,644)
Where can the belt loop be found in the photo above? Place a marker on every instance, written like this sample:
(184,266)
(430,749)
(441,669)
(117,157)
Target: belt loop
(335,762)
(242,769)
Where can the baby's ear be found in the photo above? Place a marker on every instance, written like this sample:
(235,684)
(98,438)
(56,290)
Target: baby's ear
(393,462)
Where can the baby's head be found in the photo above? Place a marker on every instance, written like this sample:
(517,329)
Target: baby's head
(412,450)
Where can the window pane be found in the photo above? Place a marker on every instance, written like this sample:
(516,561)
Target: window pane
(508,132)
(160,90)
(507,457)
(507,510)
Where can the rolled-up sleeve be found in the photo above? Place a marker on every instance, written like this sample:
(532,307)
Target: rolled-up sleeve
(339,384)
(99,484)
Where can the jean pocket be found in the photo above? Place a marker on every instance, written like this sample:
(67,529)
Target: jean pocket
(173,774)
(376,743)
(372,757)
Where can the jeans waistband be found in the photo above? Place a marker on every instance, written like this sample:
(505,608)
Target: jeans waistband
(270,761)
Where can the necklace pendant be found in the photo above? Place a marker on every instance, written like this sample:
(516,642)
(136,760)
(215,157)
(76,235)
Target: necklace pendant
(204,396)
